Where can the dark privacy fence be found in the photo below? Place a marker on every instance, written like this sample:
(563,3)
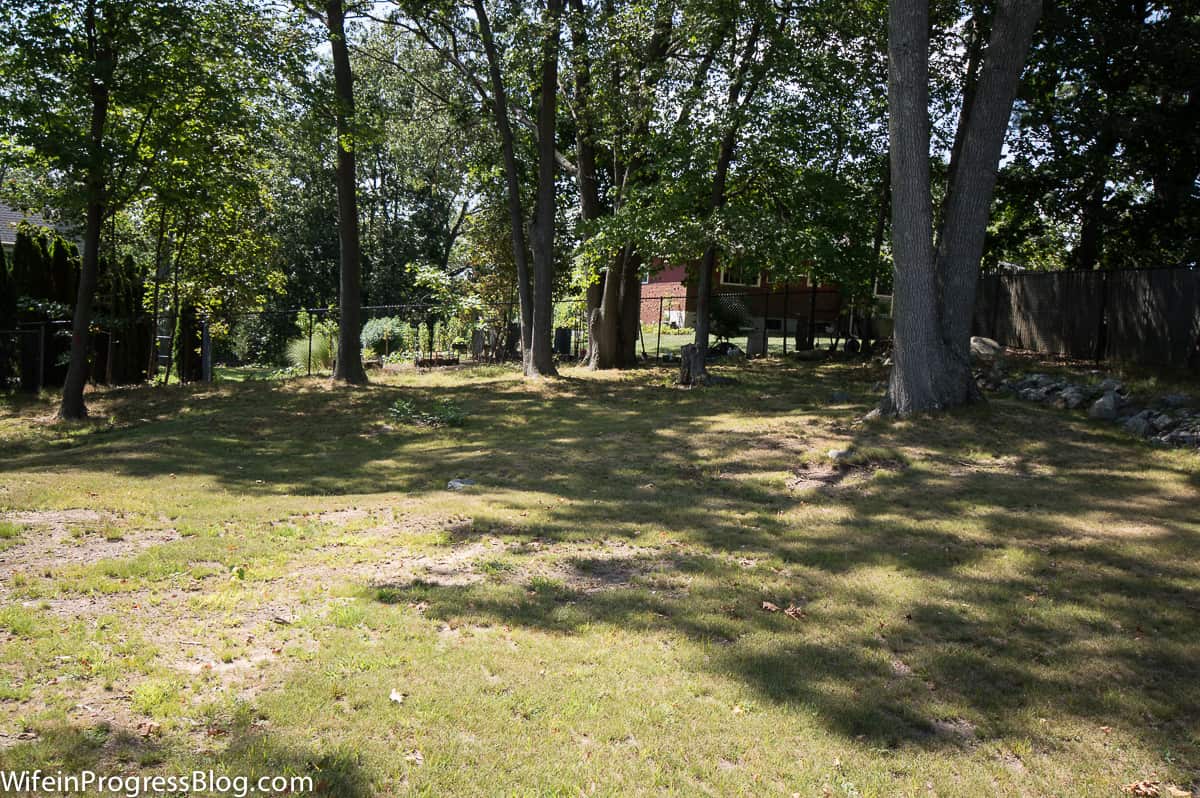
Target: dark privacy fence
(1149,316)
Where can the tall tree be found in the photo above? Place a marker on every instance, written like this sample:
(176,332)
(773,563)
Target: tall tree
(1103,173)
(349,367)
(104,94)
(935,281)
(531,37)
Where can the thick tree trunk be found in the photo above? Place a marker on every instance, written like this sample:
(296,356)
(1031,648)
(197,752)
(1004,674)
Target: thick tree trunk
(73,406)
(631,309)
(614,315)
(744,85)
(697,371)
(709,262)
(349,367)
(917,353)
(604,342)
(540,360)
(935,292)
(177,262)
(152,365)
(603,296)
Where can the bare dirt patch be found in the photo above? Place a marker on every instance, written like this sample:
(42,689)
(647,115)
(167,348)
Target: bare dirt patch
(75,537)
(615,565)
(832,475)
(808,477)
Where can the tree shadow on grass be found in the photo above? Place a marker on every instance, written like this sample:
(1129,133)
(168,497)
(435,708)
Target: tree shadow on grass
(1021,607)
(248,755)
(959,592)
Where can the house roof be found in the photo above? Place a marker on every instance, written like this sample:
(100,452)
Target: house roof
(11,217)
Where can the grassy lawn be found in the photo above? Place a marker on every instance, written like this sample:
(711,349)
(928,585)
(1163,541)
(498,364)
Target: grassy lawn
(648,590)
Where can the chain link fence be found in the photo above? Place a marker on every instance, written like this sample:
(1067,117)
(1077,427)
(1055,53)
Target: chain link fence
(303,341)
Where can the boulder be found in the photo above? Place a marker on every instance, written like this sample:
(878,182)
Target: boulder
(1139,426)
(1175,400)
(1072,397)
(985,349)
(1183,437)
(1107,407)
(1112,384)
(839,456)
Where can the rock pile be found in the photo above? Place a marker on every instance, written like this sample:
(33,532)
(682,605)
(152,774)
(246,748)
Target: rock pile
(1169,420)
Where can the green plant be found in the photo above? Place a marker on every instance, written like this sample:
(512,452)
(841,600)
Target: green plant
(387,334)
(157,698)
(440,413)
(728,317)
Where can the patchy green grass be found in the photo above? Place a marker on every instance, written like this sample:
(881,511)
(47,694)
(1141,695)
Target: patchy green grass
(647,590)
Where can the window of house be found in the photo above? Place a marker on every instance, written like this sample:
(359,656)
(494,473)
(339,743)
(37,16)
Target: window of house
(740,274)
(774,325)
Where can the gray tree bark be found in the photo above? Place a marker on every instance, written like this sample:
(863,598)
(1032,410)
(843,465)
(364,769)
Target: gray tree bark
(741,91)
(102,56)
(349,367)
(539,361)
(935,289)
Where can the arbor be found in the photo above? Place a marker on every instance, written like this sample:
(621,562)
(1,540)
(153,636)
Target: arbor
(935,281)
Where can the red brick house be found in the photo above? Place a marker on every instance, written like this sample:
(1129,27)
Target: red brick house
(783,308)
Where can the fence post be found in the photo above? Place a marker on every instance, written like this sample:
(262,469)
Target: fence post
(310,332)
(812,316)
(658,340)
(766,317)
(785,318)
(41,369)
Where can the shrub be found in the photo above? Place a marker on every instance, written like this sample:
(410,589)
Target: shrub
(387,334)
(324,348)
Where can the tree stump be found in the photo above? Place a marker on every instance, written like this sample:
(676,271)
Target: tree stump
(691,366)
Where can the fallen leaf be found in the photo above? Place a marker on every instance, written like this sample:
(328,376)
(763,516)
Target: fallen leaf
(769,607)
(149,728)
(1143,789)
(415,757)
(794,612)
(396,696)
